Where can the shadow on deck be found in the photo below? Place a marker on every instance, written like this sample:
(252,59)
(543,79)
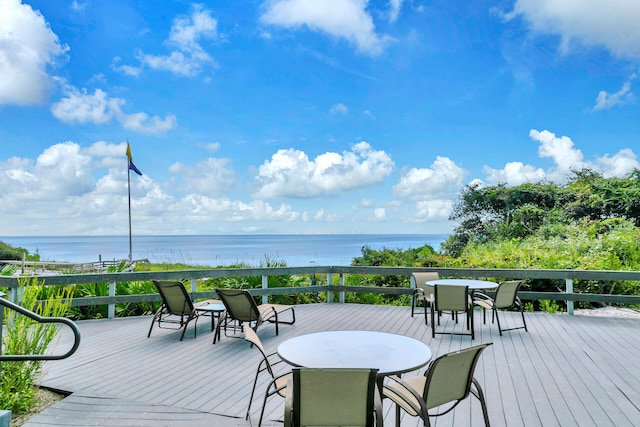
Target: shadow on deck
(567,371)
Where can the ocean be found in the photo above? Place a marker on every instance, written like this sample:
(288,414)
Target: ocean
(221,250)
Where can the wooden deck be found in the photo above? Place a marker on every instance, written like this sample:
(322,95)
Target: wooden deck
(567,371)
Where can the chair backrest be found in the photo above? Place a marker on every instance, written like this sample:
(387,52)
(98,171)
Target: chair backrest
(175,297)
(334,397)
(239,304)
(451,297)
(420,279)
(449,376)
(506,293)
(251,336)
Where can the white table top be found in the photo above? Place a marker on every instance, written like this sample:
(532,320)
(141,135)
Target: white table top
(389,353)
(471,283)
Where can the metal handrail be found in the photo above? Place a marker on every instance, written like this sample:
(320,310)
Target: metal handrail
(23,357)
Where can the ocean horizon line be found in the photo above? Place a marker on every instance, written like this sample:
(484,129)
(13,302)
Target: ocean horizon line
(220,249)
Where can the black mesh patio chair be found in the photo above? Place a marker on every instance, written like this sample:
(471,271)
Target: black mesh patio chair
(506,298)
(333,397)
(447,381)
(453,298)
(242,308)
(278,383)
(177,309)
(422,293)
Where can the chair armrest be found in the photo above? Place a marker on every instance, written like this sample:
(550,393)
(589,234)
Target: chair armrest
(403,389)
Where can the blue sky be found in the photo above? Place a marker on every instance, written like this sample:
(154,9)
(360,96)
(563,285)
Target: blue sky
(303,116)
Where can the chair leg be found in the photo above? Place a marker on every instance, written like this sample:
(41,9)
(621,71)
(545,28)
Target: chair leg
(473,332)
(413,304)
(397,415)
(253,390)
(498,318)
(523,321)
(480,395)
(155,318)
(425,313)
(433,322)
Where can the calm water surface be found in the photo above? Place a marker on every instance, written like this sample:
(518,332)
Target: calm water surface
(296,250)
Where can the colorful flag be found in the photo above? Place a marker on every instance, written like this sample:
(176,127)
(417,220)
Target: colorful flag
(131,165)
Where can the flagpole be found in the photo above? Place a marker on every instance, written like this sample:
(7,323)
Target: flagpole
(129,191)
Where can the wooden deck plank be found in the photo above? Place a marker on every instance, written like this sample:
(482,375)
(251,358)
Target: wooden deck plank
(568,370)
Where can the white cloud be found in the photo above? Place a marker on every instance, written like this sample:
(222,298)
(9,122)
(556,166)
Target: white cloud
(607,100)
(620,164)
(27,48)
(98,108)
(380,214)
(339,109)
(66,190)
(561,150)
(612,24)
(189,57)
(394,9)
(514,173)
(342,19)
(211,177)
(566,158)
(443,177)
(428,210)
(290,173)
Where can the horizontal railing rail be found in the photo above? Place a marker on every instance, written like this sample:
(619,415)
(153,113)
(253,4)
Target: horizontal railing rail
(40,319)
(566,277)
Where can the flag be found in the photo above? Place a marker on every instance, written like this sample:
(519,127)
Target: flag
(131,165)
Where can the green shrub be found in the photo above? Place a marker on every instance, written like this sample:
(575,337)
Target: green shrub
(23,336)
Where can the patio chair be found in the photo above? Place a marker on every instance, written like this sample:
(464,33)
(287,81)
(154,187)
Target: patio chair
(447,381)
(333,397)
(453,298)
(422,292)
(506,298)
(278,383)
(242,308)
(176,309)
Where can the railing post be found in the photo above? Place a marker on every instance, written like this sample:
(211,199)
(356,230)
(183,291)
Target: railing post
(329,283)
(112,307)
(341,284)
(2,295)
(265,285)
(569,290)
(194,286)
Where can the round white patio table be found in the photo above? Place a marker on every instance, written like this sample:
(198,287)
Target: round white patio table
(391,354)
(473,284)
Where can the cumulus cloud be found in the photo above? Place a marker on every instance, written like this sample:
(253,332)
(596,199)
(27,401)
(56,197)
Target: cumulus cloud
(612,25)
(443,177)
(78,190)
(606,100)
(431,189)
(98,108)
(342,19)
(514,173)
(188,57)
(566,158)
(27,48)
(290,172)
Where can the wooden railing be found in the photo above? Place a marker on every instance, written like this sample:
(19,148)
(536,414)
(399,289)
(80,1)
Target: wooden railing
(567,276)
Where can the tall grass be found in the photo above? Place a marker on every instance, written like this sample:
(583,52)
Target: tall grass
(23,335)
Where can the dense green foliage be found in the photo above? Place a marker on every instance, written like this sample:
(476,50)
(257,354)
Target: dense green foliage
(15,254)
(26,336)
(497,213)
